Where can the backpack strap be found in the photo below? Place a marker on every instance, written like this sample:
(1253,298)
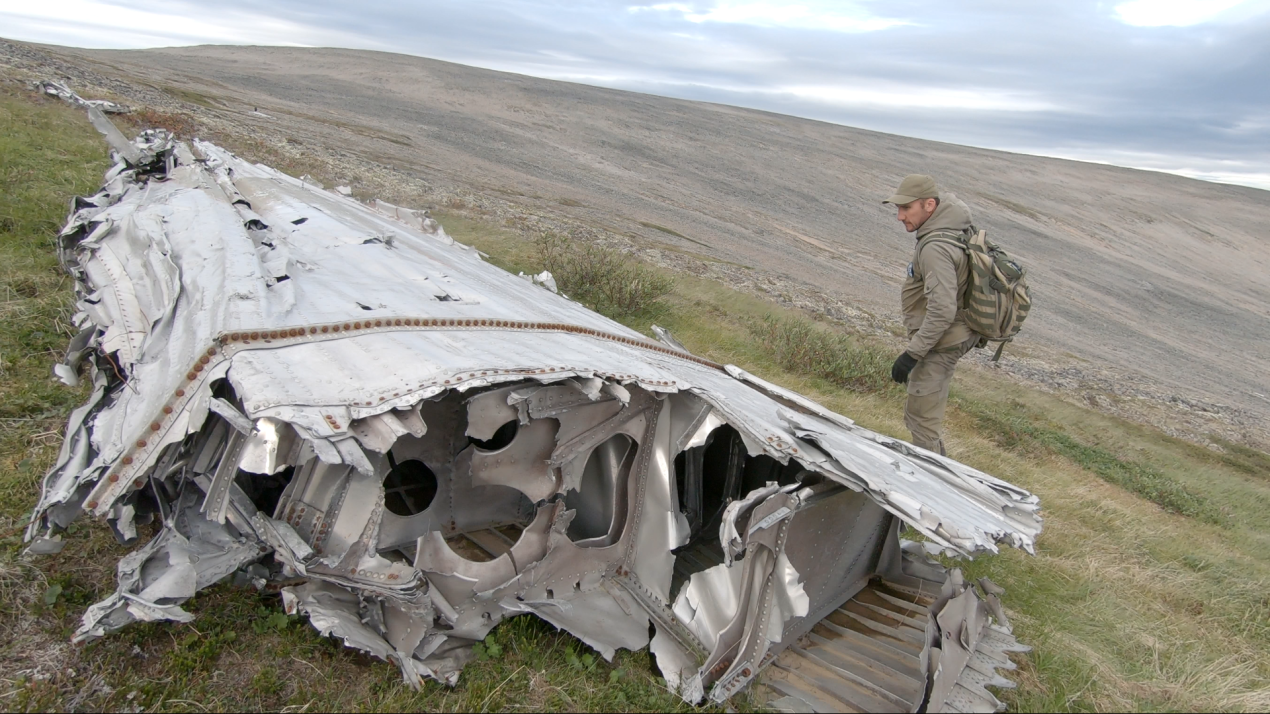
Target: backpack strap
(961,240)
(958,239)
(1000,348)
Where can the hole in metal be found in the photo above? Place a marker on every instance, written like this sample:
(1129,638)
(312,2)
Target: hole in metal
(599,504)
(409,488)
(502,438)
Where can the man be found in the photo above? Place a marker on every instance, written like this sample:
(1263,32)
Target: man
(931,301)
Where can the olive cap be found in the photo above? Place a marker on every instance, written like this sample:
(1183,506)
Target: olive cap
(912,188)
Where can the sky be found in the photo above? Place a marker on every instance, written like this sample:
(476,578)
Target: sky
(1172,85)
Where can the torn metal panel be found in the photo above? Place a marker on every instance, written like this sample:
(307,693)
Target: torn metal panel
(125,149)
(545,279)
(966,647)
(190,553)
(339,400)
(61,91)
(522,464)
(271,447)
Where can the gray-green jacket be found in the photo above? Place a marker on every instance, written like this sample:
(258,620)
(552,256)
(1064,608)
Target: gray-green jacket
(937,278)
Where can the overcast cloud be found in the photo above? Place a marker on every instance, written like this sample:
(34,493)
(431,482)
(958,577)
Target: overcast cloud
(1173,85)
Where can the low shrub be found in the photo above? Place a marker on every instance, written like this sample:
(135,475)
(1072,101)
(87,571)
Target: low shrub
(602,278)
(800,346)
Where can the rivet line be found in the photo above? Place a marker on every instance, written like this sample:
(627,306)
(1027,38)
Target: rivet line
(230,343)
(243,338)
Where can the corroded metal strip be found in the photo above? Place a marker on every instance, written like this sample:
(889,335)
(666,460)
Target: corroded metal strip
(125,474)
(868,660)
(662,614)
(288,335)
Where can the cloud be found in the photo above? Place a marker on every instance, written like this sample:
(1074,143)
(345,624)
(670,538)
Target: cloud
(92,23)
(908,95)
(1243,173)
(1177,13)
(831,16)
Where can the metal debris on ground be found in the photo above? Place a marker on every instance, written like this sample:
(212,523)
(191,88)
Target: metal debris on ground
(56,89)
(295,391)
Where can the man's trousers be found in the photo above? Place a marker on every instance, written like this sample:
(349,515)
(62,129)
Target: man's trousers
(928,385)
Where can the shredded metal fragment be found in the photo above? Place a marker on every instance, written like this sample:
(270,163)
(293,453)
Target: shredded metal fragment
(61,91)
(339,402)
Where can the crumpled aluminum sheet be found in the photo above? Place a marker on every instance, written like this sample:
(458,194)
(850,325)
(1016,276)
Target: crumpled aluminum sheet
(56,89)
(280,372)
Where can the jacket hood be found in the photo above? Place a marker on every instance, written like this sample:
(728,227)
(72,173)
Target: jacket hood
(952,215)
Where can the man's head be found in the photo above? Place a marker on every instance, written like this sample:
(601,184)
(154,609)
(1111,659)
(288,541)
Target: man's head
(915,200)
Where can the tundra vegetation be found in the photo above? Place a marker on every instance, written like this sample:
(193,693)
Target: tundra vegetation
(1148,590)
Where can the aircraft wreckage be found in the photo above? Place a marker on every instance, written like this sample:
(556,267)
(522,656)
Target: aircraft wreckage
(299,391)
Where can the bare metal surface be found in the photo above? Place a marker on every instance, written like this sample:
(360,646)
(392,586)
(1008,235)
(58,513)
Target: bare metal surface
(294,387)
(61,91)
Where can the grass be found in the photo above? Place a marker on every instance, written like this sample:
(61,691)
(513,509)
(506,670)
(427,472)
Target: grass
(1149,589)
(193,97)
(799,345)
(243,653)
(602,278)
(1243,458)
(663,229)
(49,155)
(1015,430)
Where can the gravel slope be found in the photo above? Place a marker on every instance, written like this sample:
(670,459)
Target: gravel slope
(1148,287)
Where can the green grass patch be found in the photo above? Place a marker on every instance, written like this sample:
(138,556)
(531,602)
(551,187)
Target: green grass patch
(1012,429)
(1243,458)
(663,229)
(47,155)
(801,346)
(202,100)
(602,278)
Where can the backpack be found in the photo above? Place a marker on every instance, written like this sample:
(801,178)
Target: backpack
(997,298)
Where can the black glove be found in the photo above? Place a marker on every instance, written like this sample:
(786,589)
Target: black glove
(903,365)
